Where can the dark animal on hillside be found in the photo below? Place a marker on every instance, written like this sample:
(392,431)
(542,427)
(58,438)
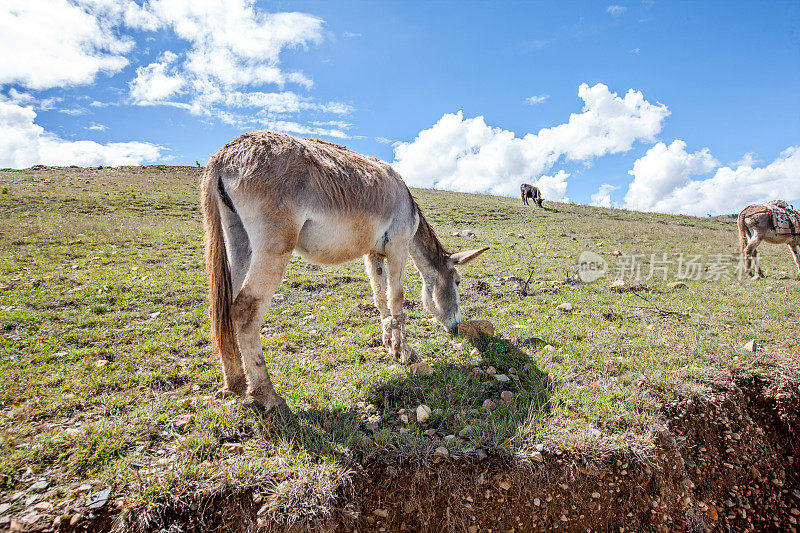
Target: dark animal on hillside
(267,195)
(529,191)
(758,223)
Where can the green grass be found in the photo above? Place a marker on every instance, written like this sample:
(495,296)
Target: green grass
(106,265)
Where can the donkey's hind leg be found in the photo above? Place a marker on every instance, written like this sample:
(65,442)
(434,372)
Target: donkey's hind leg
(376,270)
(249,307)
(751,256)
(796,253)
(396,321)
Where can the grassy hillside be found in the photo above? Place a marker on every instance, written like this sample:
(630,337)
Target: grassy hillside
(109,379)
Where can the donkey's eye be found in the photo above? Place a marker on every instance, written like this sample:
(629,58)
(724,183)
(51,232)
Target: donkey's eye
(458,282)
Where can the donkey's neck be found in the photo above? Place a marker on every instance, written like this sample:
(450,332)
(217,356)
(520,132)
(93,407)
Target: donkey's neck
(427,251)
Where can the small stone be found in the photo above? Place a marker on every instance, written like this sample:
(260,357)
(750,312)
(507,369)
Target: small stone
(442,452)
(43,507)
(449,438)
(537,502)
(84,487)
(475,352)
(549,348)
(98,499)
(476,328)
(155,315)
(677,285)
(371,426)
(429,432)
(4,507)
(507,396)
(100,363)
(537,456)
(181,420)
(455,234)
(381,513)
(39,486)
(512,370)
(233,448)
(595,495)
(502,378)
(488,404)
(491,371)
(481,454)
(365,442)
(423,413)
(618,284)
(752,346)
(467,432)
(566,307)
(421,369)
(73,521)
(504,485)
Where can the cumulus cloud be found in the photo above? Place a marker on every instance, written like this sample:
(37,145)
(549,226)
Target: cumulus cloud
(662,181)
(52,43)
(24,143)
(234,49)
(602,198)
(466,154)
(537,99)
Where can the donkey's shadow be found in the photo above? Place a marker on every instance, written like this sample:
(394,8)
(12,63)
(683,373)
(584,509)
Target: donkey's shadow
(455,393)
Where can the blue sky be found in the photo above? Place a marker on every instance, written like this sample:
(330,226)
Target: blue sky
(172,81)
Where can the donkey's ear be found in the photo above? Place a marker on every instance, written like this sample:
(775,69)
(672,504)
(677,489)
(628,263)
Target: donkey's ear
(462,258)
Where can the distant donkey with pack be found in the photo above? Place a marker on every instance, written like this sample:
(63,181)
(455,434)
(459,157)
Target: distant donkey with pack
(775,222)
(529,191)
(267,195)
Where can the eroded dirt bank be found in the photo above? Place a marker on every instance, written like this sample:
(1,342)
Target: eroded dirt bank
(728,462)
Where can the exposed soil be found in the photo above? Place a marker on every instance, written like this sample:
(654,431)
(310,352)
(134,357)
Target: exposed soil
(728,462)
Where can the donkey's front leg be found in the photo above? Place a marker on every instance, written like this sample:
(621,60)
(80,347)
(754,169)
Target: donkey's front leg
(376,270)
(396,321)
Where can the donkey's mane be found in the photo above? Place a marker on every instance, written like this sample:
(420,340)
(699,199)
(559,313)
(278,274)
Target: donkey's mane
(429,241)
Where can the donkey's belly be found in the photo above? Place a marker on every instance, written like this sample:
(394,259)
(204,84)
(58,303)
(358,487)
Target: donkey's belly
(330,241)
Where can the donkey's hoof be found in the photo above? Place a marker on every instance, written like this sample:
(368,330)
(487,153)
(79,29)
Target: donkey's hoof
(408,355)
(272,406)
(225,392)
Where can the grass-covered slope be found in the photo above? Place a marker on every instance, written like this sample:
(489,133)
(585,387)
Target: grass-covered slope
(108,377)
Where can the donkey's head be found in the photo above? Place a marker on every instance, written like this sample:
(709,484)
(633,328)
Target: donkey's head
(440,291)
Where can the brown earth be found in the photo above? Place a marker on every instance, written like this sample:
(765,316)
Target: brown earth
(726,462)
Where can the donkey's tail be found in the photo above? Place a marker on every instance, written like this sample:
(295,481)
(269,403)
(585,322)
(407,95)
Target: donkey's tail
(742,232)
(220,291)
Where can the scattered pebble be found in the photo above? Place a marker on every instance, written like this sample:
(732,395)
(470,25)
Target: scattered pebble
(677,285)
(507,396)
(442,452)
(566,307)
(467,432)
(488,404)
(181,420)
(421,369)
(423,413)
(537,456)
(502,378)
(491,371)
(752,346)
(98,499)
(381,513)
(39,486)
(100,363)
(429,432)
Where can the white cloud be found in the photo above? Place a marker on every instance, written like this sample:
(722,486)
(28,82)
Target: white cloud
(23,143)
(154,84)
(51,43)
(602,198)
(97,127)
(466,154)
(23,98)
(616,10)
(662,181)
(533,100)
(234,49)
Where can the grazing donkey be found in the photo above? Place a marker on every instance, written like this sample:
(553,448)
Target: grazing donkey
(529,191)
(756,224)
(266,195)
